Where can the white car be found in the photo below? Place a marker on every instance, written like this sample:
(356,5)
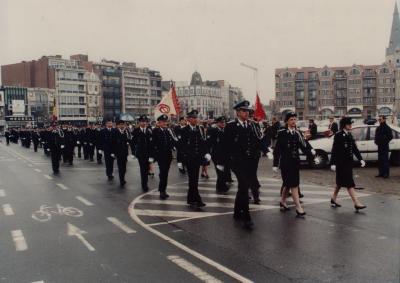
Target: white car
(364,136)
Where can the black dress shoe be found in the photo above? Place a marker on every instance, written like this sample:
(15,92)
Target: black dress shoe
(145,189)
(378,176)
(385,177)
(237,216)
(300,214)
(359,207)
(301,195)
(248,224)
(122,183)
(283,207)
(164,195)
(110,178)
(257,201)
(335,204)
(200,204)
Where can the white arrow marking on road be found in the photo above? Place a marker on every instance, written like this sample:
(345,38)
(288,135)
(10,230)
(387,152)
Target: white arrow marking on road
(8,209)
(62,186)
(19,240)
(48,177)
(2,193)
(196,271)
(84,201)
(75,231)
(121,225)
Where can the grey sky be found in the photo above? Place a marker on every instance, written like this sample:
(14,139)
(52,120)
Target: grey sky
(210,36)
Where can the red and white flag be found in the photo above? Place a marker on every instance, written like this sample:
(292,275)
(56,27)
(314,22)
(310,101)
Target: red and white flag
(259,113)
(169,105)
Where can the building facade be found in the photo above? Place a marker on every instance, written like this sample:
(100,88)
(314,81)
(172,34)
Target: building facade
(210,98)
(357,90)
(41,102)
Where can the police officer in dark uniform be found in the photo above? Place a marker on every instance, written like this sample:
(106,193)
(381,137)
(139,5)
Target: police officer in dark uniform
(80,140)
(162,143)
(216,141)
(193,144)
(97,144)
(287,157)
(121,141)
(7,136)
(141,145)
(179,154)
(242,145)
(106,147)
(343,149)
(55,146)
(70,142)
(383,136)
(35,139)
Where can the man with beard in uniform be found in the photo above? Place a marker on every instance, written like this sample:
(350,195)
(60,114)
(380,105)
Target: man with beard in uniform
(179,155)
(70,141)
(120,148)
(193,143)
(106,146)
(242,145)
(55,145)
(216,142)
(141,143)
(162,143)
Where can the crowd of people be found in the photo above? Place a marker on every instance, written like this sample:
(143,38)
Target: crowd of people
(233,146)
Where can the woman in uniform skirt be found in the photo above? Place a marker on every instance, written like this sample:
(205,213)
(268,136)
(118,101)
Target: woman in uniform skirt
(286,155)
(343,149)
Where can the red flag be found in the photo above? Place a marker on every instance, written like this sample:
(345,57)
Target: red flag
(259,112)
(175,99)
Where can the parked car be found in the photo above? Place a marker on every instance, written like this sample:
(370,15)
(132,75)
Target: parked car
(364,136)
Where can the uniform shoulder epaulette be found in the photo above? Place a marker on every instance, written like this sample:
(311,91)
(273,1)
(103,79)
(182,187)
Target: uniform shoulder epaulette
(230,122)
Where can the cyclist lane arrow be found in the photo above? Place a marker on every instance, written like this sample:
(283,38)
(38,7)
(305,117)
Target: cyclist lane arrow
(75,231)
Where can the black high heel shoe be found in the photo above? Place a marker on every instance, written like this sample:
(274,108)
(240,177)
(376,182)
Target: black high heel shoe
(359,207)
(283,207)
(300,214)
(335,204)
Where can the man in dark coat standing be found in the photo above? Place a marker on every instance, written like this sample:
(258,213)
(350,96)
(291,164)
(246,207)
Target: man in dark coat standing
(141,144)
(333,126)
(106,147)
(383,136)
(121,141)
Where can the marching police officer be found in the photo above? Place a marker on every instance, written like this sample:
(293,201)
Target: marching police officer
(55,146)
(193,144)
(383,136)
(97,144)
(106,147)
(80,141)
(141,145)
(343,149)
(216,141)
(7,135)
(121,141)
(179,155)
(162,144)
(287,157)
(242,146)
(70,142)
(35,139)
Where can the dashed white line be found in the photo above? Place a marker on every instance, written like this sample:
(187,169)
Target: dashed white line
(7,209)
(19,240)
(48,177)
(194,270)
(2,193)
(38,281)
(62,186)
(38,170)
(84,201)
(121,225)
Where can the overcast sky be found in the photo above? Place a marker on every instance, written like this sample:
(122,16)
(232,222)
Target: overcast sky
(213,37)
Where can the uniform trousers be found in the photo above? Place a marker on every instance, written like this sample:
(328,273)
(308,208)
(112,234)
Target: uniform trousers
(163,166)
(242,170)
(193,169)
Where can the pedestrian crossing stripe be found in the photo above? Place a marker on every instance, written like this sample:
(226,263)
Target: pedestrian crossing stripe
(154,211)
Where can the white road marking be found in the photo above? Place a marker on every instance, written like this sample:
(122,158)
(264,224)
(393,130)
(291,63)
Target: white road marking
(62,186)
(186,249)
(121,225)
(192,269)
(38,281)
(168,213)
(84,201)
(75,231)
(2,193)
(7,209)
(48,177)
(38,170)
(209,204)
(30,165)
(19,240)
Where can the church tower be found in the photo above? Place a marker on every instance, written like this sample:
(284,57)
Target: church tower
(393,49)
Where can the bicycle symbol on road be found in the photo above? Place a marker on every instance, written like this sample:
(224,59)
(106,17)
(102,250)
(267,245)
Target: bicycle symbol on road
(45,212)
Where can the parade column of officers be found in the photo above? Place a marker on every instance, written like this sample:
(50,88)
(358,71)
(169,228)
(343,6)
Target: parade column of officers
(234,146)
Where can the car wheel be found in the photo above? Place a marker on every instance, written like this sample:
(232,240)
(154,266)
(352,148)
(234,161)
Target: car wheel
(395,158)
(323,160)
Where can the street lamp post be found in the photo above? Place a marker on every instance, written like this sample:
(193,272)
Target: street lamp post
(255,70)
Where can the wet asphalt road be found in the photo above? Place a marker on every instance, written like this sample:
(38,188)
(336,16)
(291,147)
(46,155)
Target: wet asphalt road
(91,230)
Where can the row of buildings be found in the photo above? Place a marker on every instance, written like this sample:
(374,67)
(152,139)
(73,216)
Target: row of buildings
(81,91)
(357,90)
